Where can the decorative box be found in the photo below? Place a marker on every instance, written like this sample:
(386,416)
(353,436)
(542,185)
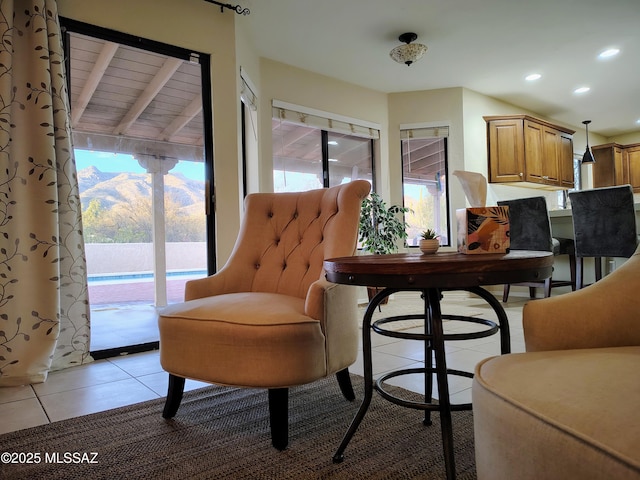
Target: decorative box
(483,230)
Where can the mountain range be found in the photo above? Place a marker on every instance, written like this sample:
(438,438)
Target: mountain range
(112,188)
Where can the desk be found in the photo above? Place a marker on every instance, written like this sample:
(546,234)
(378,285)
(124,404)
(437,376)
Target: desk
(432,274)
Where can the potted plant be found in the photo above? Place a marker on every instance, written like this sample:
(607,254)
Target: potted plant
(381,228)
(430,241)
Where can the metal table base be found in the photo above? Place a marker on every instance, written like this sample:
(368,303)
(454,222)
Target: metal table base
(434,340)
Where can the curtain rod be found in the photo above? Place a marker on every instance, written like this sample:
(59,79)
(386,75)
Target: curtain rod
(236,8)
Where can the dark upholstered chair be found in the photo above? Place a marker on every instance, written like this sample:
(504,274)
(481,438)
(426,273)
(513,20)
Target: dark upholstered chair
(604,226)
(530,229)
(269,318)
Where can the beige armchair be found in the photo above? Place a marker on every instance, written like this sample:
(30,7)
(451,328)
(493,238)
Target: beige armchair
(269,319)
(568,407)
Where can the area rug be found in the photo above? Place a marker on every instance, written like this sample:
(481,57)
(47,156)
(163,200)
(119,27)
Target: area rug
(223,433)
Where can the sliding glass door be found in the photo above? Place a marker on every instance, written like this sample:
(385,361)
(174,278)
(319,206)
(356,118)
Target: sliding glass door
(142,136)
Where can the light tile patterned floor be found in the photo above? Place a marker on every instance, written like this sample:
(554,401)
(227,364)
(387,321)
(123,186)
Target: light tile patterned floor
(116,382)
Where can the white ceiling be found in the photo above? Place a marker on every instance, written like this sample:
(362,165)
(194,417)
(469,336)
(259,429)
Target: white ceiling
(484,45)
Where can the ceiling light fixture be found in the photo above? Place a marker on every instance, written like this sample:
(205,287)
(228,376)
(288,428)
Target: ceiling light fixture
(588,156)
(410,52)
(532,77)
(581,90)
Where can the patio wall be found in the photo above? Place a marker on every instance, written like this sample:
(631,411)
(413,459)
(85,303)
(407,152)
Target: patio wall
(106,258)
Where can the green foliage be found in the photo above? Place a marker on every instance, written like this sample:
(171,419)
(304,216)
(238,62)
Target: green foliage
(381,227)
(429,234)
(132,223)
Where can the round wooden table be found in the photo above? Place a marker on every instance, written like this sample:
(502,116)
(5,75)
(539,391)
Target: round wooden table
(431,275)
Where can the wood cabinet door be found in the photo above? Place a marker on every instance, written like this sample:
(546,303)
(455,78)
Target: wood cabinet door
(566,161)
(552,152)
(620,167)
(505,150)
(533,152)
(633,166)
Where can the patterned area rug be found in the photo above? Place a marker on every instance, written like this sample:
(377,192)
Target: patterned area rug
(224,433)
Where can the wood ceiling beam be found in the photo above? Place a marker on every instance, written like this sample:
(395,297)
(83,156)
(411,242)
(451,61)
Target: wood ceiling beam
(295,135)
(97,72)
(178,123)
(146,97)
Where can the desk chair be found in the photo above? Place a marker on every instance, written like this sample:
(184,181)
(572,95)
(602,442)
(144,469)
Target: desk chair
(604,225)
(269,318)
(530,229)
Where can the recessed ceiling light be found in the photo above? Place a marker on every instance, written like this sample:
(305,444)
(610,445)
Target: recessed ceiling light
(638,120)
(581,90)
(609,52)
(332,142)
(533,76)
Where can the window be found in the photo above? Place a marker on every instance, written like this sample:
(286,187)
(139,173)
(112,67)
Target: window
(424,181)
(311,150)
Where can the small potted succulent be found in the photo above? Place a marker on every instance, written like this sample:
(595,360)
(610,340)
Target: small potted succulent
(430,241)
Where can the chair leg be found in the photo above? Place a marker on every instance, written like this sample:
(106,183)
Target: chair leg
(572,268)
(344,381)
(579,273)
(174,396)
(547,287)
(598,262)
(532,292)
(279,417)
(505,293)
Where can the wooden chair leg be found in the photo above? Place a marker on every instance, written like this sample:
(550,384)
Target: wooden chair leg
(532,292)
(279,417)
(344,381)
(505,293)
(547,287)
(174,396)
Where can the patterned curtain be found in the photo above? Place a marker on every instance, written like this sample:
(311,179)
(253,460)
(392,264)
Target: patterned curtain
(44,308)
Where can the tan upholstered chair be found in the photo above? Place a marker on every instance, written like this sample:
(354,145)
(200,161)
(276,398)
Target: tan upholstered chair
(269,319)
(568,407)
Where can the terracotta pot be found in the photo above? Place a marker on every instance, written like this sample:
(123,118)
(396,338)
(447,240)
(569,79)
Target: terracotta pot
(429,246)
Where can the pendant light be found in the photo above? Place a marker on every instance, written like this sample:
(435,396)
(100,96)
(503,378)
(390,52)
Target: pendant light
(588,156)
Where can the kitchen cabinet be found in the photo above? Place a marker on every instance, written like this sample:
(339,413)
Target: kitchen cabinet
(522,148)
(616,164)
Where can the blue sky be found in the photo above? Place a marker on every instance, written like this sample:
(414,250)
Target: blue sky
(117,162)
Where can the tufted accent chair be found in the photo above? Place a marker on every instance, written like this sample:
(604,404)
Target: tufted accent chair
(269,319)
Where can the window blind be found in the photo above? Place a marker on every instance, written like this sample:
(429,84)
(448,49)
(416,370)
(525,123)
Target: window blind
(424,132)
(324,121)
(247,94)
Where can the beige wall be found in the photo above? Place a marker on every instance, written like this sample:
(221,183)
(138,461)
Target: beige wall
(627,139)
(196,25)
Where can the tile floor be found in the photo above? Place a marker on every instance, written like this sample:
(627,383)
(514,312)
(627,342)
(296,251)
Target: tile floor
(115,382)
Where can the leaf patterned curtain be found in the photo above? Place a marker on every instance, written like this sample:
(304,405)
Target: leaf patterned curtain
(44,308)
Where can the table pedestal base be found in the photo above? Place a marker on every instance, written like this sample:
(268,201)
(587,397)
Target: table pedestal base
(434,338)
